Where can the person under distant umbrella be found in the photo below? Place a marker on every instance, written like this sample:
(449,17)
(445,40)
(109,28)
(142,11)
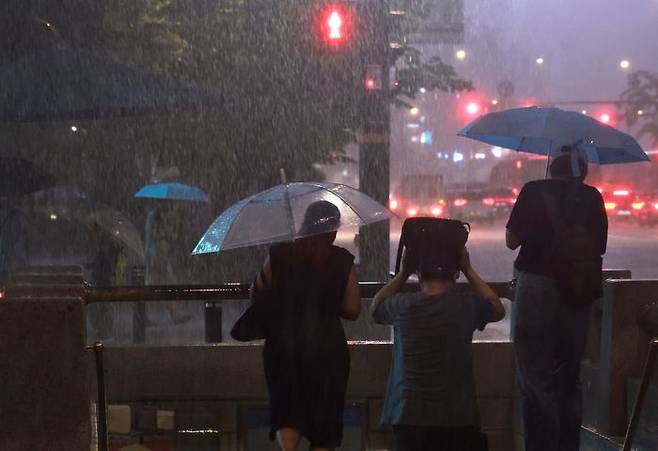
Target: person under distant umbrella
(561,227)
(311,284)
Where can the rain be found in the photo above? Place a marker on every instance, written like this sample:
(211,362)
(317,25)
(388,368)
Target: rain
(134,133)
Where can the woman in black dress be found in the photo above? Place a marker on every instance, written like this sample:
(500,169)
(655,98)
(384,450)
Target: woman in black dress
(313,284)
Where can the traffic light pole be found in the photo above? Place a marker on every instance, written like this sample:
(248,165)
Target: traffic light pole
(374,180)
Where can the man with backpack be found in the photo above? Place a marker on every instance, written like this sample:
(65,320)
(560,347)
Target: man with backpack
(430,400)
(561,226)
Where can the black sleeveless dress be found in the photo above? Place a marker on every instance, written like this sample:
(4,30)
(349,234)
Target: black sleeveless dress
(305,356)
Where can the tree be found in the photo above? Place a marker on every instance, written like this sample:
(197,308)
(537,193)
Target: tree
(640,104)
(284,103)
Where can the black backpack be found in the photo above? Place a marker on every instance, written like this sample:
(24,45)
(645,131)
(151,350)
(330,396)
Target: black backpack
(433,239)
(573,256)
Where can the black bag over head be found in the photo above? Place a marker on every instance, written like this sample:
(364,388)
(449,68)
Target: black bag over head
(433,242)
(573,256)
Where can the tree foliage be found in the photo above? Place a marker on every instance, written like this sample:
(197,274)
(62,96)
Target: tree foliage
(641,95)
(281,101)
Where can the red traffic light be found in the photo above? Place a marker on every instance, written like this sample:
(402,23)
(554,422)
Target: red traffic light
(372,79)
(473,108)
(335,25)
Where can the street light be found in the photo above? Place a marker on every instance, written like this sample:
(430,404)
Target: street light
(624,64)
(539,61)
(414,111)
(460,54)
(640,112)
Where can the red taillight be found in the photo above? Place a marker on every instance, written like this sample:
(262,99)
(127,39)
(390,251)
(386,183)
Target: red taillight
(393,204)
(637,205)
(460,202)
(620,192)
(412,211)
(655,205)
(610,205)
(488,201)
(437,211)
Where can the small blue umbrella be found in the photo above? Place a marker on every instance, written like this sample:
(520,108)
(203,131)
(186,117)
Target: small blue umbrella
(544,131)
(172,191)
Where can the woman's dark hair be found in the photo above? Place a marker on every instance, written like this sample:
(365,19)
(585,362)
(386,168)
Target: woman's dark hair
(320,217)
(561,165)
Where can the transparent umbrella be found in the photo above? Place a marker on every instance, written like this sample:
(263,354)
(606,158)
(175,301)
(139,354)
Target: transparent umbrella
(277,214)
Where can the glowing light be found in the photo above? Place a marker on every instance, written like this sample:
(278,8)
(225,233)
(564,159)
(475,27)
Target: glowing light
(473,108)
(605,118)
(539,61)
(422,90)
(52,216)
(655,205)
(460,54)
(460,202)
(436,211)
(519,164)
(74,128)
(640,112)
(426,137)
(480,156)
(620,192)
(370,83)
(335,24)
(457,157)
(494,102)
(414,111)
(610,205)
(583,111)
(412,211)
(488,201)
(637,205)
(413,125)
(624,64)
(414,139)
(393,205)
(497,151)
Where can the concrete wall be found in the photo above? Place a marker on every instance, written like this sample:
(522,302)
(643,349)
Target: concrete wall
(44,399)
(231,377)
(623,348)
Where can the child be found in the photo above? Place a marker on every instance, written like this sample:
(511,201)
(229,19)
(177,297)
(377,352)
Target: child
(430,400)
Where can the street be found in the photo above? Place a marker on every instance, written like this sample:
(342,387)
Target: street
(629,247)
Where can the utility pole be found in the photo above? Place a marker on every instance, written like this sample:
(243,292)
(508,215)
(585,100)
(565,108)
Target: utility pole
(374,138)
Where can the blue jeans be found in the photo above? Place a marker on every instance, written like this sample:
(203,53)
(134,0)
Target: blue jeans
(549,342)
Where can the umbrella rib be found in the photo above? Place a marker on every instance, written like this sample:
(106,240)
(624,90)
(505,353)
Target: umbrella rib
(347,203)
(291,218)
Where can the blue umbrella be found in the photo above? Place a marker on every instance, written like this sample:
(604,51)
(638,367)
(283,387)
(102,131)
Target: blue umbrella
(544,131)
(64,84)
(172,191)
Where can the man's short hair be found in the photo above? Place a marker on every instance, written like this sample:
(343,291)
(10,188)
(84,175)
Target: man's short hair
(561,166)
(429,271)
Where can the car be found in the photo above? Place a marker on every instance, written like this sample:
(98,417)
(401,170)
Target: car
(472,205)
(618,201)
(502,200)
(645,207)
(418,195)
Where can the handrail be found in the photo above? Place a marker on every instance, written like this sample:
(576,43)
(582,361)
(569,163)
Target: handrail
(230,291)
